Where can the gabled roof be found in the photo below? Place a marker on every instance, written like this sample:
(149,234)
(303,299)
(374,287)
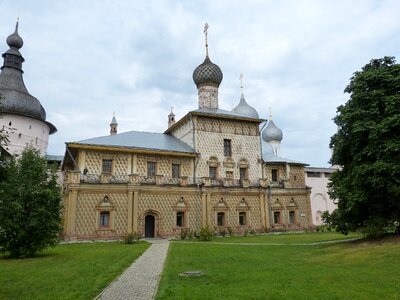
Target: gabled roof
(138,140)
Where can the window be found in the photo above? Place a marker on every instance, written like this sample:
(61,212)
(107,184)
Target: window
(227,148)
(291,217)
(242,218)
(243,173)
(221,219)
(229,174)
(176,170)
(104,219)
(314,174)
(179,219)
(274,175)
(213,172)
(107,166)
(151,169)
(327,175)
(277,217)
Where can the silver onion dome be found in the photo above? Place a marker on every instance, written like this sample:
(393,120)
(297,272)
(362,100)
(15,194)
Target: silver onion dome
(272,133)
(14,40)
(207,72)
(245,109)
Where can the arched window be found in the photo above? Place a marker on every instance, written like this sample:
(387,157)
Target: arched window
(221,219)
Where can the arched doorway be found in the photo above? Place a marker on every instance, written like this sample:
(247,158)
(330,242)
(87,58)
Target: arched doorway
(149,226)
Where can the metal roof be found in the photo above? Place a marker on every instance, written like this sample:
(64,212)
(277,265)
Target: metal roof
(320,169)
(140,140)
(224,113)
(244,109)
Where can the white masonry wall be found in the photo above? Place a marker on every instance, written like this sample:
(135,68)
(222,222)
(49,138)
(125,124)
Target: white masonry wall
(23,131)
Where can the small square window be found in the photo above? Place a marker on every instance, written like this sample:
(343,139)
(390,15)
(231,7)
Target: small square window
(213,172)
(151,169)
(176,170)
(242,218)
(107,166)
(104,219)
(227,148)
(180,219)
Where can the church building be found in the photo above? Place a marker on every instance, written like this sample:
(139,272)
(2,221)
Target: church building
(22,115)
(213,167)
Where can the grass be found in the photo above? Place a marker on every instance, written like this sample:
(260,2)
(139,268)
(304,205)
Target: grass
(73,271)
(351,270)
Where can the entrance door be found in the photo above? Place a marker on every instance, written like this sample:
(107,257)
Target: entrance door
(149,226)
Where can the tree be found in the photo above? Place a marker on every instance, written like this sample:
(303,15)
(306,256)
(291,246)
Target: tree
(366,147)
(30,206)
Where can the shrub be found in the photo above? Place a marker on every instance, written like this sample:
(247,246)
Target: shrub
(206,234)
(230,231)
(131,238)
(222,232)
(184,233)
(252,232)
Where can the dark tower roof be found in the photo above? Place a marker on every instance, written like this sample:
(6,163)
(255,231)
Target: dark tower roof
(15,98)
(207,72)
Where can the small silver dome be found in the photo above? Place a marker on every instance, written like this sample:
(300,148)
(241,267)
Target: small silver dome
(272,133)
(244,109)
(207,72)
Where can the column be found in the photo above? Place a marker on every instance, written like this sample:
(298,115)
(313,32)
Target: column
(130,211)
(135,211)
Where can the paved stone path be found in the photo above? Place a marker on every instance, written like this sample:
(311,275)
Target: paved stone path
(140,280)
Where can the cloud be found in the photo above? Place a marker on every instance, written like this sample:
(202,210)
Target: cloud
(85,61)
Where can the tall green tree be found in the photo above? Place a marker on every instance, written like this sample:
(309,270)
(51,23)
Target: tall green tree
(366,147)
(30,206)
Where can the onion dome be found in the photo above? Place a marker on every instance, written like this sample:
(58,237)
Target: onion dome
(244,109)
(15,97)
(14,40)
(207,72)
(113,121)
(272,133)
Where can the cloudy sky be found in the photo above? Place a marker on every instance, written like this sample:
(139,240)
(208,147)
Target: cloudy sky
(86,59)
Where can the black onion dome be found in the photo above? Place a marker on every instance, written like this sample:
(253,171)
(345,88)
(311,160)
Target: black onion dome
(207,72)
(14,97)
(14,40)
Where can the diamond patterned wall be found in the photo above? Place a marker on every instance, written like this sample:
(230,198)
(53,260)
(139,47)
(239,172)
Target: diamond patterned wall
(184,132)
(164,165)
(210,135)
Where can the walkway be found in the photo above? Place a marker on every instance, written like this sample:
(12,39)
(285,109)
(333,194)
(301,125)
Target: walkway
(140,280)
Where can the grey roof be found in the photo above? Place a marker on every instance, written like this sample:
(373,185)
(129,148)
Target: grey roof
(221,112)
(54,157)
(272,133)
(207,72)
(140,140)
(15,98)
(113,121)
(245,109)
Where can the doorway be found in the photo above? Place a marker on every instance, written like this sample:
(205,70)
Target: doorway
(149,226)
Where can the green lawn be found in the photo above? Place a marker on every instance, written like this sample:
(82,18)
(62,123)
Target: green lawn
(73,271)
(351,270)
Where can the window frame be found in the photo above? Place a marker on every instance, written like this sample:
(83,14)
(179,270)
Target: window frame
(216,172)
(277,221)
(292,217)
(104,213)
(244,214)
(178,166)
(149,169)
(222,223)
(105,166)
(180,215)
(227,147)
(274,175)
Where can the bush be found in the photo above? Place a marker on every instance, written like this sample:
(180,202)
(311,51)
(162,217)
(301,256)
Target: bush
(230,231)
(131,238)
(184,233)
(252,232)
(191,234)
(222,232)
(30,206)
(206,234)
